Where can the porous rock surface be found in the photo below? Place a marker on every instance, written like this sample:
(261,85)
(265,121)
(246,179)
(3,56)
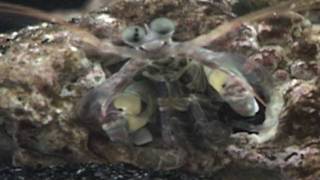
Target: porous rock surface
(43,77)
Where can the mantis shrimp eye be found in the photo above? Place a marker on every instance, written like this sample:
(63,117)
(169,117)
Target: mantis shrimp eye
(162,26)
(133,35)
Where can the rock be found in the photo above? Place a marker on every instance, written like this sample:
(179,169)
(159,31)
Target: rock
(300,115)
(93,171)
(43,76)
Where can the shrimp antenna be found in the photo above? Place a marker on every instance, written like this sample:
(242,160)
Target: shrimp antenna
(281,8)
(55,19)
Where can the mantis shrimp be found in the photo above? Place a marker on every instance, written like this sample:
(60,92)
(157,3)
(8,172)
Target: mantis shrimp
(124,104)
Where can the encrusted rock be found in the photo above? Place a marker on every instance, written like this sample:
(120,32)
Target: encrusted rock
(300,117)
(43,76)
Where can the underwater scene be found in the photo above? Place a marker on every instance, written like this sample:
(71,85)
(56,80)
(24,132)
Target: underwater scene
(160,89)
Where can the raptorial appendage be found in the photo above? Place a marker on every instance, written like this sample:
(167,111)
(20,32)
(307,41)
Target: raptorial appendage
(133,109)
(97,110)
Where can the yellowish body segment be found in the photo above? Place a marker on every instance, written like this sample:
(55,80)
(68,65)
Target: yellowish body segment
(234,92)
(216,78)
(131,106)
(129,103)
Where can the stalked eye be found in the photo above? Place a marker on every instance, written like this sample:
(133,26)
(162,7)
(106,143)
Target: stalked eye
(162,26)
(133,35)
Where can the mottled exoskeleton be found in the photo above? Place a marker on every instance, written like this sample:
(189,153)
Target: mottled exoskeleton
(118,109)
